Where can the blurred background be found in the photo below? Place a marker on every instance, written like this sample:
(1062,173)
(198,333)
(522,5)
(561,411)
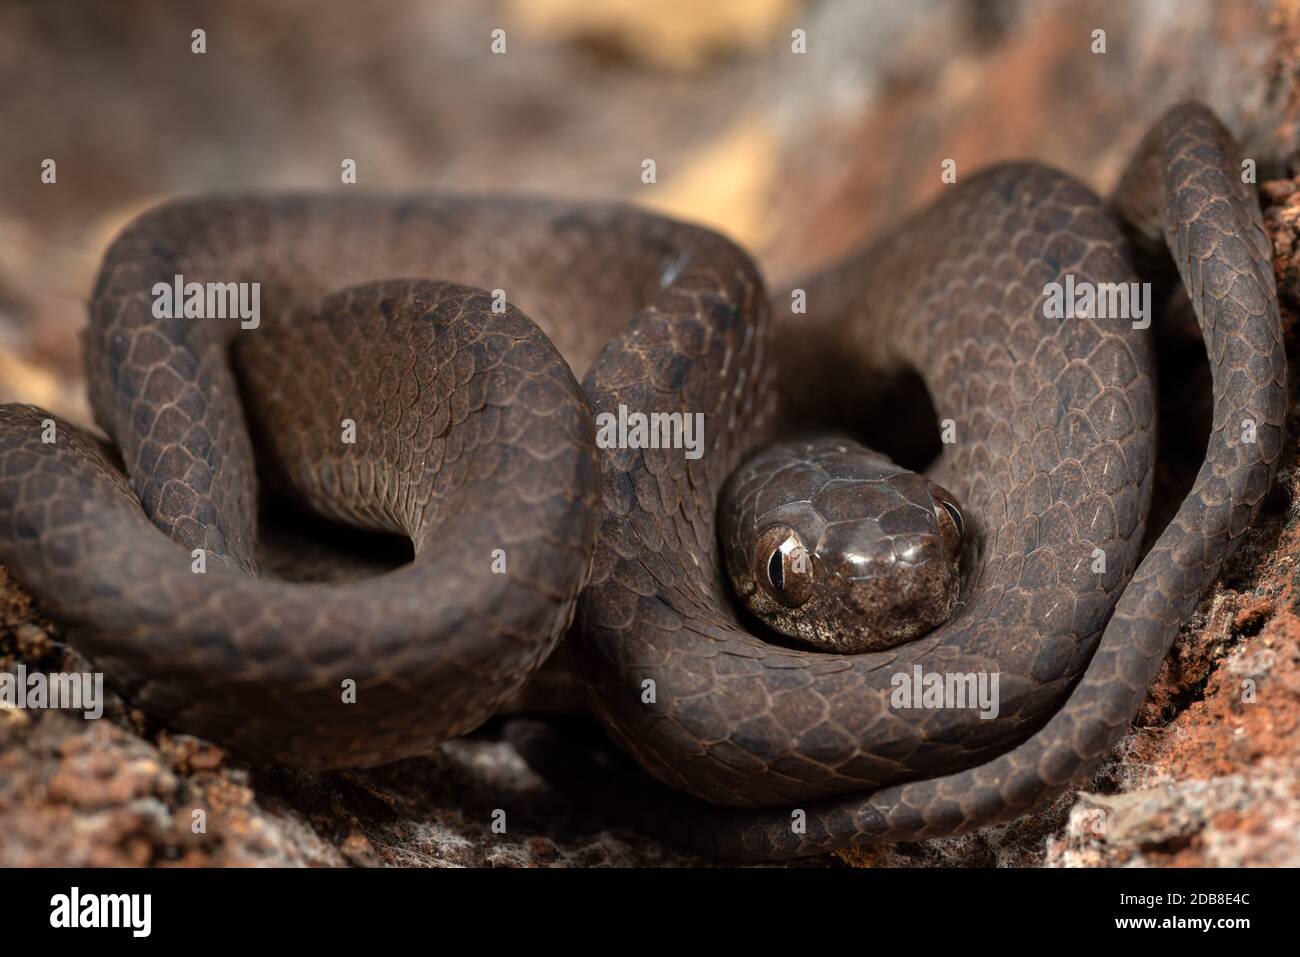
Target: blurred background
(797,155)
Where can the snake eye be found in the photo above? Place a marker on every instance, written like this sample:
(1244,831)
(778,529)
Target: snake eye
(946,511)
(786,573)
(955,512)
(775,570)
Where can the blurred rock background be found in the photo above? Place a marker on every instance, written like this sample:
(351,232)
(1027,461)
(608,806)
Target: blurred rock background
(798,156)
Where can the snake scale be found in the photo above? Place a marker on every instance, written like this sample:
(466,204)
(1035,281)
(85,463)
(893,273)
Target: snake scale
(473,439)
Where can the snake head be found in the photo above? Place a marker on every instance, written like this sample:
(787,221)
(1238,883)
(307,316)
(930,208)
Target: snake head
(834,545)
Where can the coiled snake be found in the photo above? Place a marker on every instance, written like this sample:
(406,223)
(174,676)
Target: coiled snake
(432,410)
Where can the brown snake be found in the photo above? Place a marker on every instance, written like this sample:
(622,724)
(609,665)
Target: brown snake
(472,438)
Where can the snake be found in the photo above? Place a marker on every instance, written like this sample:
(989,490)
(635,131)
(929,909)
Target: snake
(412,371)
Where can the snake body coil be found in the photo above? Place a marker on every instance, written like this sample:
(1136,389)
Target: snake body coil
(474,440)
